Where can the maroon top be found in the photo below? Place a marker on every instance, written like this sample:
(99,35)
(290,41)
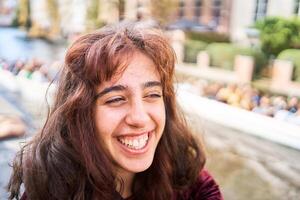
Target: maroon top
(205,188)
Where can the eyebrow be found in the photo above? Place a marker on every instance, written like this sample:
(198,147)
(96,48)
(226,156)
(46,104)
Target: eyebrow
(122,88)
(110,89)
(152,84)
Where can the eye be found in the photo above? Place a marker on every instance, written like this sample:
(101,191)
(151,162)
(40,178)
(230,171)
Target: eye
(115,101)
(154,95)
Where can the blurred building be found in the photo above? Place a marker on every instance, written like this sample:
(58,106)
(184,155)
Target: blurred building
(245,13)
(124,9)
(7,14)
(232,17)
(72,16)
(55,17)
(214,14)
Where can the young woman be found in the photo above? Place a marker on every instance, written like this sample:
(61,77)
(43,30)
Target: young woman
(114,131)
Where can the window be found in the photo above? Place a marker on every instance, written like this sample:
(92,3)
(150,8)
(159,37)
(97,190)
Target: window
(216,11)
(296,7)
(261,9)
(217,3)
(181,8)
(198,4)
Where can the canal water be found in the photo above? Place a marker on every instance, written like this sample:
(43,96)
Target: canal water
(14,44)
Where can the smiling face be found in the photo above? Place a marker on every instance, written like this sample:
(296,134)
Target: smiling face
(130,115)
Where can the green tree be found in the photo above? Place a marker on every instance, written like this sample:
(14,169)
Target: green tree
(222,55)
(277,34)
(292,55)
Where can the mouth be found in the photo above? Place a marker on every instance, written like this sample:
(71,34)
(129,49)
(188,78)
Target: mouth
(136,142)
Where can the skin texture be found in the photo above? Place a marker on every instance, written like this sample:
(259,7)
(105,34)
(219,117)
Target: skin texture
(131,105)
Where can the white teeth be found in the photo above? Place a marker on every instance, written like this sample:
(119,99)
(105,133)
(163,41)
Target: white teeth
(134,142)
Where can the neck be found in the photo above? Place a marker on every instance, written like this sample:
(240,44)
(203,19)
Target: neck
(127,178)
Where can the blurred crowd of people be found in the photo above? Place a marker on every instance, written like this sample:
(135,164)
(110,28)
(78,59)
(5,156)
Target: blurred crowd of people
(249,98)
(32,69)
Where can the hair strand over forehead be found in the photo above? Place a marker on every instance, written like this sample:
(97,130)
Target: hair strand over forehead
(96,57)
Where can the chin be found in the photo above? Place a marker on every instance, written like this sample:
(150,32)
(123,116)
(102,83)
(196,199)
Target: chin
(140,168)
(137,166)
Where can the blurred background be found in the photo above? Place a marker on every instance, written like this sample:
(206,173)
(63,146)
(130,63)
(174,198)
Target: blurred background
(238,79)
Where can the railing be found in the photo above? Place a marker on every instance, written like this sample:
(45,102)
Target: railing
(247,122)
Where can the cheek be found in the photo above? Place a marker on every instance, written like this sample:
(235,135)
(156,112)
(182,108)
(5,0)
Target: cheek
(106,122)
(159,115)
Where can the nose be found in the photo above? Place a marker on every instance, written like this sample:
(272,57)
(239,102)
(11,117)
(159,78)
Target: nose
(137,115)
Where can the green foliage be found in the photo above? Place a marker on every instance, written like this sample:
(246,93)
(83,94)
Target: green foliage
(191,50)
(277,34)
(223,54)
(260,59)
(208,37)
(292,55)
(197,41)
(93,21)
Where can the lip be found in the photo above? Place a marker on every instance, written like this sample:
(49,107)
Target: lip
(134,152)
(133,134)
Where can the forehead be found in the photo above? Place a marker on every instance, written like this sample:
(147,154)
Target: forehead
(139,69)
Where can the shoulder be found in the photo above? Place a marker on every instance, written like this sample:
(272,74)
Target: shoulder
(205,188)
